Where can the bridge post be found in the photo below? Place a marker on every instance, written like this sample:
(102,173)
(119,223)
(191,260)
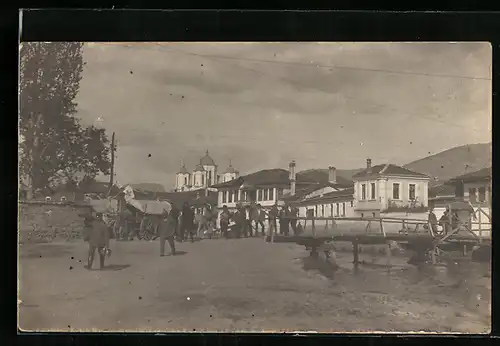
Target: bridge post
(389,255)
(355,251)
(480,228)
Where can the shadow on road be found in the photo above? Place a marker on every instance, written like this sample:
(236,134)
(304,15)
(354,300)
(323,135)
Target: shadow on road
(325,267)
(115,267)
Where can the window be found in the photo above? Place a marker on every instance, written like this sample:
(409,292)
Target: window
(280,192)
(352,204)
(316,211)
(411,192)
(482,194)
(472,195)
(395,191)
(363,192)
(185,181)
(322,210)
(202,180)
(230,197)
(237,195)
(266,194)
(343,209)
(338,210)
(259,195)
(271,194)
(373,190)
(331,209)
(224,197)
(362,215)
(245,196)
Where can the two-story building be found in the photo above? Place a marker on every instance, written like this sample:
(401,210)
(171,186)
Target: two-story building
(265,187)
(389,188)
(473,187)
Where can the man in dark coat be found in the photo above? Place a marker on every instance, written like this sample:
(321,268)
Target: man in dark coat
(293,213)
(98,238)
(272,216)
(284,221)
(167,228)
(225,217)
(259,220)
(187,222)
(247,222)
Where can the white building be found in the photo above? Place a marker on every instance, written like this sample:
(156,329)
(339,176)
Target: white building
(389,188)
(203,176)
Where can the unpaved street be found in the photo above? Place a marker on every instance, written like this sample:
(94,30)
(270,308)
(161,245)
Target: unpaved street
(242,285)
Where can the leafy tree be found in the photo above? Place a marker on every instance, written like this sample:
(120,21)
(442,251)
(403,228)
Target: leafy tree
(56,147)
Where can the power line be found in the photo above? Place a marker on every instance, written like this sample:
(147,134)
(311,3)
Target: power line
(340,67)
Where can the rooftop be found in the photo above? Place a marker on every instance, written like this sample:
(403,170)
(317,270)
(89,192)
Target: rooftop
(387,170)
(207,160)
(482,174)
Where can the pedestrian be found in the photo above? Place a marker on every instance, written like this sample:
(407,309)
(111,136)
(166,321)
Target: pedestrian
(432,220)
(208,220)
(261,217)
(293,214)
(167,225)
(98,238)
(186,224)
(284,221)
(238,221)
(272,216)
(225,216)
(247,222)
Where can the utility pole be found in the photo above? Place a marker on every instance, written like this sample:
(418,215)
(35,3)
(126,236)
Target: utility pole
(111,178)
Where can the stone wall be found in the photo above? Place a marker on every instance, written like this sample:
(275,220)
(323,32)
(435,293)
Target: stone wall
(41,221)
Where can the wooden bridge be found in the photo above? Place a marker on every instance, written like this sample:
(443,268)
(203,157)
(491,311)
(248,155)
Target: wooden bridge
(414,234)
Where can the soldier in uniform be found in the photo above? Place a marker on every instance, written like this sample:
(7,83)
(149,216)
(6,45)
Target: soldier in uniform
(167,228)
(98,238)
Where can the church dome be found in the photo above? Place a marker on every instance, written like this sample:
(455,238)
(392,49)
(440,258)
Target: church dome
(182,170)
(207,160)
(199,168)
(230,169)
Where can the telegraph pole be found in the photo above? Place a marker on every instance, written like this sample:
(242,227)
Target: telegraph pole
(111,178)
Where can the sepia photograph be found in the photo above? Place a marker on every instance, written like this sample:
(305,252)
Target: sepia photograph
(277,187)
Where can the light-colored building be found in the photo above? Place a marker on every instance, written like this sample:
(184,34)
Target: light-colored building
(264,187)
(389,188)
(203,176)
(474,187)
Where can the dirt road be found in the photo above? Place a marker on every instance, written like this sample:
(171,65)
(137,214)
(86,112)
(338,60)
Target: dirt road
(241,285)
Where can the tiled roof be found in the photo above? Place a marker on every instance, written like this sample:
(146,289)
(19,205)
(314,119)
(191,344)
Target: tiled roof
(482,174)
(305,190)
(442,190)
(322,177)
(347,194)
(388,170)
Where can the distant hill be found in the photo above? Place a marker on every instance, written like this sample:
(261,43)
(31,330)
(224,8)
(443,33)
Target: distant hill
(153,187)
(453,162)
(321,174)
(441,167)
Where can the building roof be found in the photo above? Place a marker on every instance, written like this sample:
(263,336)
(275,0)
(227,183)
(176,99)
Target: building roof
(207,160)
(199,168)
(307,189)
(387,170)
(183,170)
(441,190)
(342,195)
(322,176)
(265,177)
(482,174)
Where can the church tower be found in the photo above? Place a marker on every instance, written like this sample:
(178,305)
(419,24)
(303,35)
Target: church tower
(210,169)
(182,179)
(230,173)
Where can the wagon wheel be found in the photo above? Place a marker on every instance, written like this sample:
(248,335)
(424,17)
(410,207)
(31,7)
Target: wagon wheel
(145,229)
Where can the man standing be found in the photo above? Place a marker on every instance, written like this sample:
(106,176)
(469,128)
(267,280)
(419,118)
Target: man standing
(187,222)
(98,239)
(432,220)
(272,216)
(293,214)
(260,218)
(167,228)
(225,216)
(284,221)
(247,224)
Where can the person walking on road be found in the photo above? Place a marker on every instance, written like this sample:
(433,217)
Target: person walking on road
(98,238)
(167,227)
(284,221)
(187,222)
(247,222)
(259,221)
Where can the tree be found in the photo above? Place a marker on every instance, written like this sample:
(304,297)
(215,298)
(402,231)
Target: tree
(56,147)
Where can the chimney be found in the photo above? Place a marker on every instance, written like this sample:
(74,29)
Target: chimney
(291,168)
(332,175)
(369,165)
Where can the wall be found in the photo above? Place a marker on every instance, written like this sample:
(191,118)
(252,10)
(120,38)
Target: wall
(42,221)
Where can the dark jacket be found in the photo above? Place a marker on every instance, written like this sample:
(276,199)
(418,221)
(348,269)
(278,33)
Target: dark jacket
(98,234)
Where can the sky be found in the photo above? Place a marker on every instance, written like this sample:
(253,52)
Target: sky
(262,105)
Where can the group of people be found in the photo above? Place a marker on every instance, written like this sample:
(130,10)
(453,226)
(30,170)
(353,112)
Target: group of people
(246,220)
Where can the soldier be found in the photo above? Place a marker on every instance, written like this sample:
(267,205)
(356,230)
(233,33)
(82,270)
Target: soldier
(272,216)
(293,214)
(225,216)
(167,228)
(98,238)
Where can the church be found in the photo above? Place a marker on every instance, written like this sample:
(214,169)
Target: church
(204,175)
